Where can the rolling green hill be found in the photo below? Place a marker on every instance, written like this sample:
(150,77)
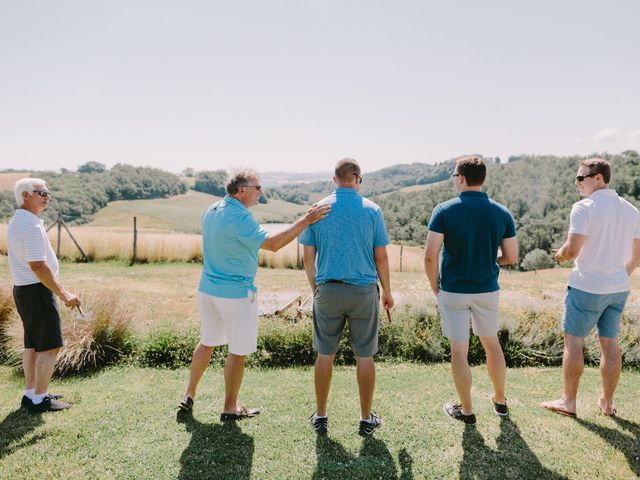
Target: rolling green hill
(184,212)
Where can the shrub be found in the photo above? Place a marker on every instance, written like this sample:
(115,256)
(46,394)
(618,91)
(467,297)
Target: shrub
(100,339)
(537,259)
(168,348)
(6,319)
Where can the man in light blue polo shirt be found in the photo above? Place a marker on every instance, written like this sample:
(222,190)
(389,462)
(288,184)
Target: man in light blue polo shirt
(471,227)
(352,255)
(227,297)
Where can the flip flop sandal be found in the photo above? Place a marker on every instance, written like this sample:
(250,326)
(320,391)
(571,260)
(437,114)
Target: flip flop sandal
(555,409)
(245,412)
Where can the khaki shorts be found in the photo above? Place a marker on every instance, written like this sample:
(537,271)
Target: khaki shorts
(457,309)
(232,321)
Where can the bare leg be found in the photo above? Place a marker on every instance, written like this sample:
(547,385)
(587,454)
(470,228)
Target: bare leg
(610,366)
(29,367)
(366,373)
(322,376)
(199,363)
(572,368)
(496,366)
(462,374)
(44,365)
(233,373)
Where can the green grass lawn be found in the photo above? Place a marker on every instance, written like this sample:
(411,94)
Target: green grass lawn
(184,212)
(124,426)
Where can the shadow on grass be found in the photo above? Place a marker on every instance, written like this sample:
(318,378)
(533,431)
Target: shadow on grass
(373,461)
(512,459)
(216,451)
(627,443)
(15,428)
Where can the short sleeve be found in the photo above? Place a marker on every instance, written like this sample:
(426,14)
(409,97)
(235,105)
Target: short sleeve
(380,236)
(436,223)
(510,225)
(35,244)
(579,219)
(250,233)
(307,237)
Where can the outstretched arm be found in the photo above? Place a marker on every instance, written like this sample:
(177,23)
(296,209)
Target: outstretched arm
(275,242)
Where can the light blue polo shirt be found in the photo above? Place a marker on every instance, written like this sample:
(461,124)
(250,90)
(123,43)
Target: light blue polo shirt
(473,226)
(231,239)
(346,238)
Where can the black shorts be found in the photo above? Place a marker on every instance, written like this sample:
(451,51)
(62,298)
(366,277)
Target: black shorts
(40,316)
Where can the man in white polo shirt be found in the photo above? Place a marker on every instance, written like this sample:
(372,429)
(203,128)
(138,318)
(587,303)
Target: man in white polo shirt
(604,240)
(34,270)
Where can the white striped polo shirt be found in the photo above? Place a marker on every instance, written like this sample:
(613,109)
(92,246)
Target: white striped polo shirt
(27,242)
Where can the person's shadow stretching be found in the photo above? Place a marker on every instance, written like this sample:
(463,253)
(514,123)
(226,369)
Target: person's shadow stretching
(216,451)
(14,430)
(512,459)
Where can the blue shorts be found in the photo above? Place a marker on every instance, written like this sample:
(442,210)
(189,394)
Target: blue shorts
(583,311)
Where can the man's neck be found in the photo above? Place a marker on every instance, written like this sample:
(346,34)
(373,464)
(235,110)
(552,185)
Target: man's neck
(471,189)
(24,207)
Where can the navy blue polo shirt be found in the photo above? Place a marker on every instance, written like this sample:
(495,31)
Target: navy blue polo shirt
(473,226)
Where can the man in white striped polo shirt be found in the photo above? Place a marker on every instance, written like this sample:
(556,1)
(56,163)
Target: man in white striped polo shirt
(34,270)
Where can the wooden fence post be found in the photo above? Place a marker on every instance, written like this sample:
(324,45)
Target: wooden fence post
(134,257)
(59,232)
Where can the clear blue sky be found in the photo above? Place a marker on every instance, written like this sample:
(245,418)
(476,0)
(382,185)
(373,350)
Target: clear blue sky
(297,85)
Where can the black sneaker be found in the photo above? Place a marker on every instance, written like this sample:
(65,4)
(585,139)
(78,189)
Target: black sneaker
(49,404)
(455,411)
(319,424)
(26,401)
(368,427)
(500,409)
(186,404)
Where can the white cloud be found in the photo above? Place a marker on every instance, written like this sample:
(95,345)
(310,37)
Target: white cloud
(634,137)
(607,135)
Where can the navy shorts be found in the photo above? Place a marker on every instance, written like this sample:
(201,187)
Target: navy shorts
(38,309)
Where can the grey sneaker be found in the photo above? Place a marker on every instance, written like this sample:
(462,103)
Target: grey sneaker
(368,427)
(454,410)
(319,424)
(500,409)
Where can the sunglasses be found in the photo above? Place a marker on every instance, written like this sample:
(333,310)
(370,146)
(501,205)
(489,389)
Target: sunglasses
(580,178)
(359,179)
(257,187)
(43,193)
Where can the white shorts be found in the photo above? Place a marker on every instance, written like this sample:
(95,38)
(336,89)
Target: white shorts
(232,321)
(457,309)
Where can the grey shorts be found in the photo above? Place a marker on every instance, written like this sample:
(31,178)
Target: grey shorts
(457,309)
(335,304)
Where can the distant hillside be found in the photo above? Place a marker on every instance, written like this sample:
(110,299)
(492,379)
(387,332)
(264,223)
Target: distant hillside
(539,191)
(375,183)
(184,212)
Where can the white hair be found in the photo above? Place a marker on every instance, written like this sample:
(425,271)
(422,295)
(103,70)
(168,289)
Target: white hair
(26,185)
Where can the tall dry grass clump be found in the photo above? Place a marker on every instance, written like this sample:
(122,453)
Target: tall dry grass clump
(99,339)
(7,314)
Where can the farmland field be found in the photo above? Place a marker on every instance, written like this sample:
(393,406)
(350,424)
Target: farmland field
(184,212)
(8,180)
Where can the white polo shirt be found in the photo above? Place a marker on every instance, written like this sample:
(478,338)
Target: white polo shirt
(27,241)
(610,224)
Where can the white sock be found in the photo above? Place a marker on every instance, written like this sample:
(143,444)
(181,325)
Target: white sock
(29,393)
(368,419)
(37,398)
(315,415)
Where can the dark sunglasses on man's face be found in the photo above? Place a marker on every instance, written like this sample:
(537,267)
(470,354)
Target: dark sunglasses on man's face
(257,187)
(358,179)
(43,193)
(580,178)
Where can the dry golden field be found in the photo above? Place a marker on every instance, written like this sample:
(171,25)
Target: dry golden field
(8,180)
(154,245)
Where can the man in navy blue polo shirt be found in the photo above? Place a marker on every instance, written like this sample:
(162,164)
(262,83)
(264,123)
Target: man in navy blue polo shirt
(472,227)
(227,298)
(351,246)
